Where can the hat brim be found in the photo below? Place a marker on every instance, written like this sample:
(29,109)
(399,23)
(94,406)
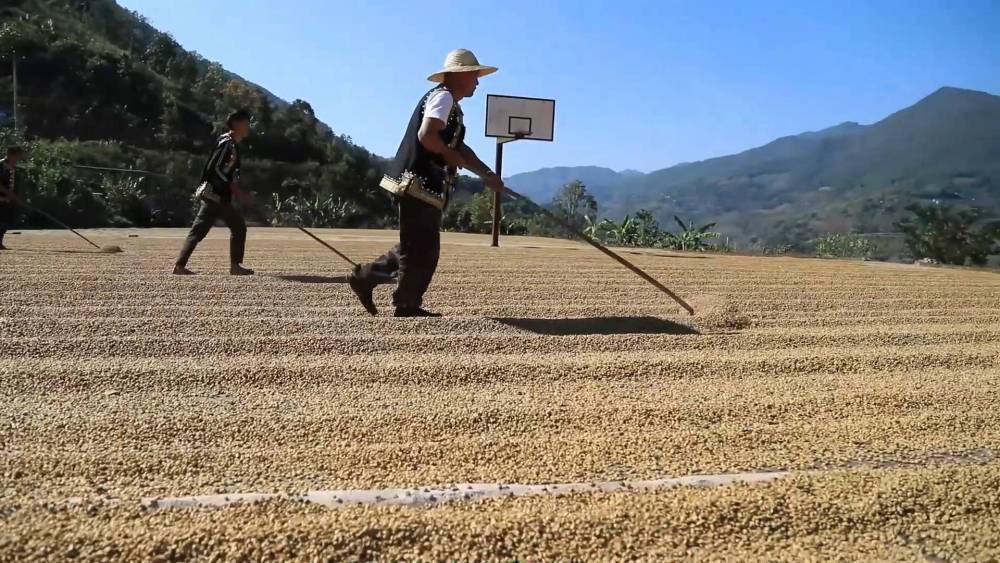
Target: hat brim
(482,70)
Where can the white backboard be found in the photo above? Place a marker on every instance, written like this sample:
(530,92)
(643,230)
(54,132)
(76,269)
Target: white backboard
(517,117)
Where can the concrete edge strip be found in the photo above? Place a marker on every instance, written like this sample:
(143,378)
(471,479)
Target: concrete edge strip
(422,496)
(426,496)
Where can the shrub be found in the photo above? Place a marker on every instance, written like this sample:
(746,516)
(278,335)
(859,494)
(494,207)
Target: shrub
(844,246)
(948,235)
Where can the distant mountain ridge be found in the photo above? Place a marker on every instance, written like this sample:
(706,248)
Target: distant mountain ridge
(542,184)
(848,177)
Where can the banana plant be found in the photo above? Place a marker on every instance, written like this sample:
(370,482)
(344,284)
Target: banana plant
(624,233)
(317,211)
(692,237)
(590,227)
(597,230)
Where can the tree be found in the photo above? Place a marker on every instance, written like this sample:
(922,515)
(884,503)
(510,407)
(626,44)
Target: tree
(240,95)
(210,86)
(295,136)
(172,133)
(647,229)
(184,69)
(948,235)
(161,52)
(574,203)
(125,200)
(480,209)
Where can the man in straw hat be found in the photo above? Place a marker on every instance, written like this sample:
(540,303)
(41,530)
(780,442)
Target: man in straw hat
(219,182)
(422,175)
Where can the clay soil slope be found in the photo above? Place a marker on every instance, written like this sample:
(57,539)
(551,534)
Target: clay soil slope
(875,386)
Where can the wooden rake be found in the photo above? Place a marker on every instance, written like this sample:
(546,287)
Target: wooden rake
(635,269)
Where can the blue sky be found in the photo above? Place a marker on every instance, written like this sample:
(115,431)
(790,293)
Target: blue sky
(639,84)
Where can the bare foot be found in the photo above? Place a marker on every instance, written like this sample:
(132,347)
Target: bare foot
(237,270)
(182,271)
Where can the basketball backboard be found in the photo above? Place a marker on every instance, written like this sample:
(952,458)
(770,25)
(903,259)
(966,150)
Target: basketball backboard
(515,117)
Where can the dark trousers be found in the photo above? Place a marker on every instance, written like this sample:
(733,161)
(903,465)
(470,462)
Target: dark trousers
(7,215)
(415,258)
(203,222)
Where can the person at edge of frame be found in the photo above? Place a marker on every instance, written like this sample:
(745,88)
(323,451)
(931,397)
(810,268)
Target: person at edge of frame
(8,189)
(219,186)
(432,149)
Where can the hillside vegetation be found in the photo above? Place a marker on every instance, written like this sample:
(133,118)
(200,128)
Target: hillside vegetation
(99,86)
(847,178)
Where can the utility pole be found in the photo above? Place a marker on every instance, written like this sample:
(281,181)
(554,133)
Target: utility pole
(14,71)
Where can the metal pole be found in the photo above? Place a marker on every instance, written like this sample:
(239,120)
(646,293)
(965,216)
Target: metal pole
(14,63)
(123,170)
(497,196)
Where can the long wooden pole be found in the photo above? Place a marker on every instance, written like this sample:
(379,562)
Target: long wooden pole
(58,222)
(635,269)
(256,211)
(324,243)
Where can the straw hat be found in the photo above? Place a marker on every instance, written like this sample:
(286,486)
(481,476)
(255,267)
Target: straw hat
(461,60)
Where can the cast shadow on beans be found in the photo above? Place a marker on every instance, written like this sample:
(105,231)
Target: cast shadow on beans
(329,279)
(53,251)
(658,255)
(313,279)
(599,325)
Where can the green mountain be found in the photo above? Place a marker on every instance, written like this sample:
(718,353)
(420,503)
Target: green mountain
(99,86)
(849,177)
(542,184)
(845,178)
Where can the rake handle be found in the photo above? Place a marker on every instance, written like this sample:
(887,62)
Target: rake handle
(248,203)
(321,241)
(57,222)
(635,269)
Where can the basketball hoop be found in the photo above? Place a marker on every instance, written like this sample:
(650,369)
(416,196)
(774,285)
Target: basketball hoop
(513,118)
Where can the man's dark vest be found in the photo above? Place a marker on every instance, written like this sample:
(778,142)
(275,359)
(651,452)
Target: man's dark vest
(413,157)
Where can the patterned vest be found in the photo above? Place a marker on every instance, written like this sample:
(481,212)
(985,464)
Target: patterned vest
(413,157)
